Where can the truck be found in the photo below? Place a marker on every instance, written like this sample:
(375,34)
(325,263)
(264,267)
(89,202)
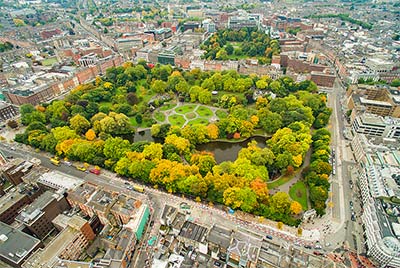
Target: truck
(138,188)
(55,161)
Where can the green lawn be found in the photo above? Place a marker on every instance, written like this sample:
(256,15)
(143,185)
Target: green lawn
(204,111)
(221,114)
(202,121)
(176,120)
(159,116)
(298,192)
(49,61)
(167,106)
(185,108)
(281,181)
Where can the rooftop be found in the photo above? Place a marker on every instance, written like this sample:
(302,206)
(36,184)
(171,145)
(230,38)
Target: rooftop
(83,192)
(220,236)
(9,200)
(126,205)
(30,213)
(58,180)
(101,200)
(193,231)
(375,102)
(124,239)
(14,244)
(49,254)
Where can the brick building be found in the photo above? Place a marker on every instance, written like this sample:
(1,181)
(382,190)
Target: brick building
(68,244)
(37,216)
(7,111)
(16,169)
(323,79)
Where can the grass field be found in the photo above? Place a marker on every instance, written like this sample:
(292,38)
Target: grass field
(185,109)
(159,116)
(167,106)
(281,181)
(49,61)
(298,192)
(204,111)
(133,121)
(202,121)
(176,120)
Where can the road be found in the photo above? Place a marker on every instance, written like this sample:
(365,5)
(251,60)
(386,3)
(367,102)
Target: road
(346,231)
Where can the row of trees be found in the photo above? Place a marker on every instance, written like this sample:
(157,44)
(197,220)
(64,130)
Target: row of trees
(317,174)
(252,43)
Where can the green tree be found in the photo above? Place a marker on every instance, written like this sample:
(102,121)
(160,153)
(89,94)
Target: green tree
(79,123)
(115,148)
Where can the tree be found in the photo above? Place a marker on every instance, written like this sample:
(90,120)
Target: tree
(295,208)
(115,148)
(212,131)
(229,49)
(205,161)
(132,99)
(180,143)
(153,151)
(90,135)
(159,86)
(63,133)
(243,198)
(280,203)
(79,123)
(260,188)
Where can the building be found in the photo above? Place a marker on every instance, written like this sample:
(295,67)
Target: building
(68,244)
(58,181)
(120,251)
(219,240)
(323,79)
(88,60)
(125,209)
(379,100)
(38,215)
(373,125)
(11,204)
(16,246)
(138,221)
(194,235)
(237,23)
(243,250)
(166,57)
(7,111)
(80,196)
(191,26)
(16,169)
(379,181)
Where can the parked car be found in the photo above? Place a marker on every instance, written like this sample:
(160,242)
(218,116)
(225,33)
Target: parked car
(269,237)
(95,171)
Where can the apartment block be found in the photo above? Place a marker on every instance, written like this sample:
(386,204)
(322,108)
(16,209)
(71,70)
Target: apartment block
(11,204)
(16,169)
(37,216)
(373,125)
(68,244)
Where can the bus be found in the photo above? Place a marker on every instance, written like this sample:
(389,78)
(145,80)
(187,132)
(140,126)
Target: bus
(138,188)
(55,161)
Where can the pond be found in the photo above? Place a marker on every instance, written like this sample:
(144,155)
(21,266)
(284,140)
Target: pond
(228,151)
(222,150)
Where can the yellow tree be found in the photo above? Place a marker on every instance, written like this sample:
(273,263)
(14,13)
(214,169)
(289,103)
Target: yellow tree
(90,135)
(212,131)
(295,207)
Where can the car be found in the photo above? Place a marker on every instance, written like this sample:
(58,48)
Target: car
(126,183)
(353,218)
(217,264)
(81,168)
(351,203)
(12,148)
(307,246)
(269,237)
(318,253)
(68,163)
(317,246)
(151,223)
(94,171)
